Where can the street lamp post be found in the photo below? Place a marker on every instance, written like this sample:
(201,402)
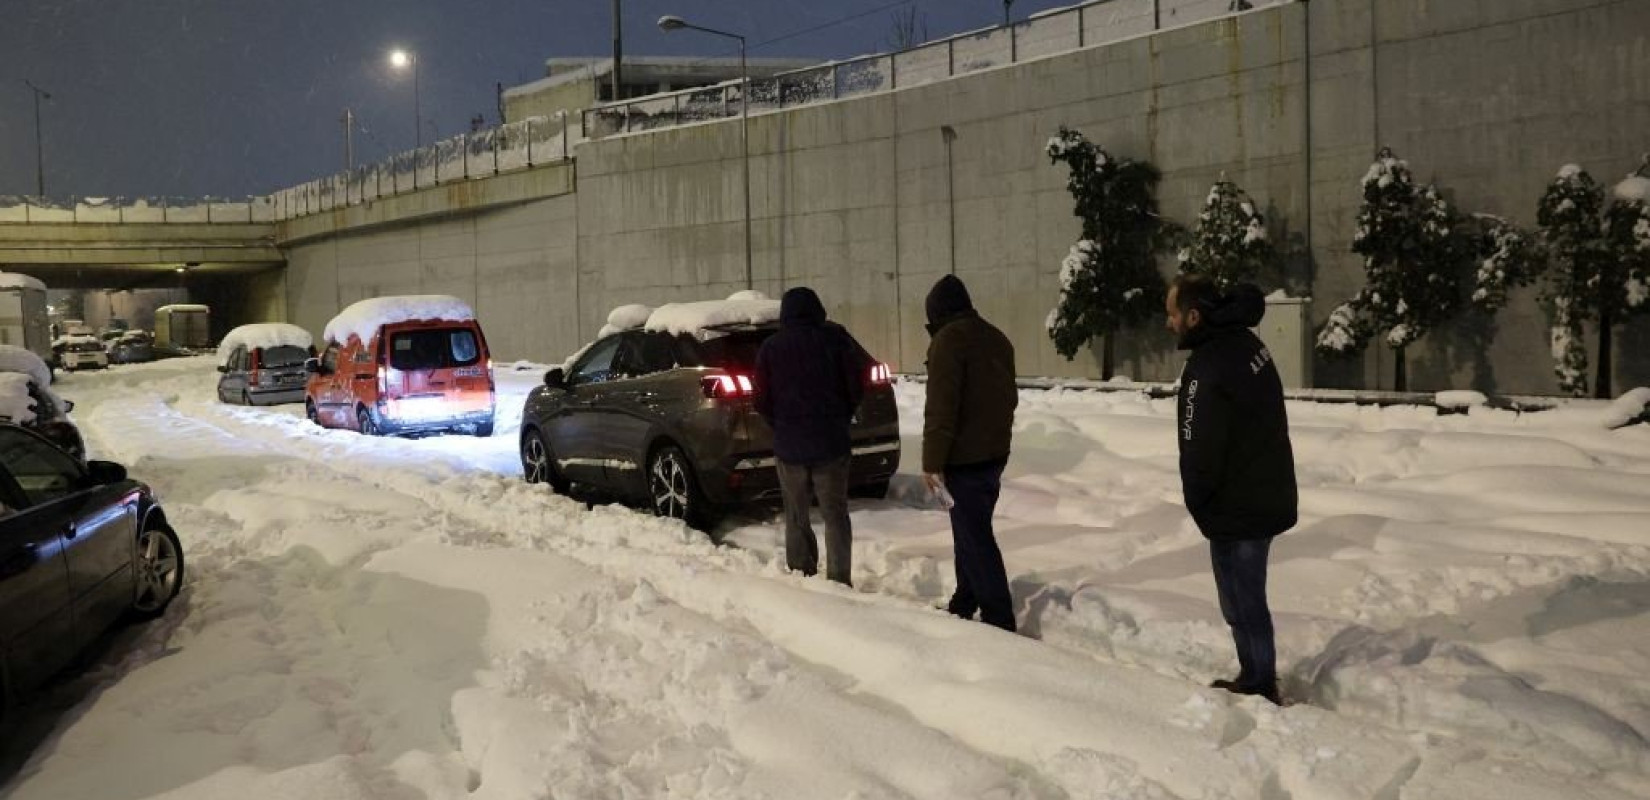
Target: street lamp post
(39,146)
(401,59)
(672,23)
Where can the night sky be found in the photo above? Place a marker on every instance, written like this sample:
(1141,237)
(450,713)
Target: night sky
(189,98)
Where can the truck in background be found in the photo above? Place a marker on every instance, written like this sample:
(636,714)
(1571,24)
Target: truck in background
(183,327)
(24,320)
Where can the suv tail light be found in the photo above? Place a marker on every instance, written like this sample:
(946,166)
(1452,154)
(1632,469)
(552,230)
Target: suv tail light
(724,386)
(252,372)
(880,374)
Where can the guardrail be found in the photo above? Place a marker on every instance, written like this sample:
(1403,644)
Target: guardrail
(116,210)
(1047,34)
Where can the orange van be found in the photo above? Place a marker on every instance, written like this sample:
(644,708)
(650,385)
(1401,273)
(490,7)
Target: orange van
(399,365)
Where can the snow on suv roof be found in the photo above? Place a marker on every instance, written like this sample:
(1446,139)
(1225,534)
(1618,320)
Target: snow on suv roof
(365,317)
(265,334)
(702,318)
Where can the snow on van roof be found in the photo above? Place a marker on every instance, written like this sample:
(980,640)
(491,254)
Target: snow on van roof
(183,307)
(263,334)
(14,359)
(11,280)
(365,317)
(747,307)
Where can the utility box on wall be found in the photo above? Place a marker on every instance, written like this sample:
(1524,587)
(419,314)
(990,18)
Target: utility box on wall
(1286,331)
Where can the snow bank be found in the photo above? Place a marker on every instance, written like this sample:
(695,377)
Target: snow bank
(1626,408)
(750,307)
(264,334)
(1459,399)
(20,360)
(183,307)
(365,317)
(11,280)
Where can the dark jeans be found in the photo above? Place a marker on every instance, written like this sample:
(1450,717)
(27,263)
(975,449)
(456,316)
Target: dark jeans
(982,583)
(1240,580)
(799,484)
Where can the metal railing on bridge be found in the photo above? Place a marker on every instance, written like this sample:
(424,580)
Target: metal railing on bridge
(117,210)
(1051,33)
(518,145)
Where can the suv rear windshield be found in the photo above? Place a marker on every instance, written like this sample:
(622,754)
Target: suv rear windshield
(434,349)
(735,350)
(284,356)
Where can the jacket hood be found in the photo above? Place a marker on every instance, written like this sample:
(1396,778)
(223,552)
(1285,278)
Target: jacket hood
(949,298)
(800,306)
(1238,308)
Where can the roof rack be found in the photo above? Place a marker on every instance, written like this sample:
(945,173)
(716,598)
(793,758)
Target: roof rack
(735,327)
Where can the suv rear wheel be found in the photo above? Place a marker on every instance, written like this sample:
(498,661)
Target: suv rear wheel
(538,462)
(673,489)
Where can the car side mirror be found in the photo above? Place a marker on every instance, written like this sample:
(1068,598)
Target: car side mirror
(555,379)
(68,405)
(223,368)
(104,473)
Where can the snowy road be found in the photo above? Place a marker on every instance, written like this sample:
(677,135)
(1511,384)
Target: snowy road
(1462,613)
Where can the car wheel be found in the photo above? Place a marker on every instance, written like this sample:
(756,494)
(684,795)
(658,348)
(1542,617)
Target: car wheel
(159,571)
(673,489)
(484,429)
(538,462)
(363,417)
(309,411)
(876,490)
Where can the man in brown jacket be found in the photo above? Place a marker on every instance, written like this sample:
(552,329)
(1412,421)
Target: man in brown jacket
(967,424)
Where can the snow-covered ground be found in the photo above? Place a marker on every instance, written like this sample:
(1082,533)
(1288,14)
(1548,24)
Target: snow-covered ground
(1461,614)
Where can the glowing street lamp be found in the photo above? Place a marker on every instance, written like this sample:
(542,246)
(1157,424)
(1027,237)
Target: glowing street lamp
(402,59)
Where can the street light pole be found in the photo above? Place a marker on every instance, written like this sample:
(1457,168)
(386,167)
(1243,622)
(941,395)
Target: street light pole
(405,58)
(671,23)
(39,145)
(349,140)
(618,50)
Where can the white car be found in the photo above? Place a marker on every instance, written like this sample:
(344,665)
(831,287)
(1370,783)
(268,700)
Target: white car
(81,352)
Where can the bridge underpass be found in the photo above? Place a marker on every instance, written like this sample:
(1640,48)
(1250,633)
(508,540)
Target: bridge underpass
(99,270)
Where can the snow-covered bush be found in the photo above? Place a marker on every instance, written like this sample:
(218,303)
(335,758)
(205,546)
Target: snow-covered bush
(1508,258)
(1229,243)
(1109,279)
(1415,257)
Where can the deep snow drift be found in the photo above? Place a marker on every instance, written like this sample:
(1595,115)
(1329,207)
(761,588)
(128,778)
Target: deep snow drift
(1461,614)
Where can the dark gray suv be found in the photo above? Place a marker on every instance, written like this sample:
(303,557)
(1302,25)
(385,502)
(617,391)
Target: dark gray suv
(668,419)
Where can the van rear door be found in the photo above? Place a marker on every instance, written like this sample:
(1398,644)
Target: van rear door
(446,361)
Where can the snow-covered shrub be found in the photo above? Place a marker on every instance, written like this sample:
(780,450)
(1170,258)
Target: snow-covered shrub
(1109,279)
(1229,243)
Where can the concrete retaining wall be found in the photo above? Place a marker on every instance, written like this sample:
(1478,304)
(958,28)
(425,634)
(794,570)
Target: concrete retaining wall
(859,198)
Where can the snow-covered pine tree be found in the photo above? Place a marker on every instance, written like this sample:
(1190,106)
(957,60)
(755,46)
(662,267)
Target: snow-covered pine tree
(1414,259)
(1572,236)
(1109,279)
(1229,243)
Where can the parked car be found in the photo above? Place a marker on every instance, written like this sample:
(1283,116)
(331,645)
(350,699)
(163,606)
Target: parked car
(263,364)
(26,399)
(135,347)
(80,352)
(668,419)
(82,547)
(396,365)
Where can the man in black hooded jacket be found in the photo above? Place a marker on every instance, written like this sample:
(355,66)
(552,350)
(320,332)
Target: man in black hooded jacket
(1237,469)
(810,378)
(968,425)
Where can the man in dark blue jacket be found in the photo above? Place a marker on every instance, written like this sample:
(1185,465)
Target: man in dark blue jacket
(1237,469)
(810,378)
